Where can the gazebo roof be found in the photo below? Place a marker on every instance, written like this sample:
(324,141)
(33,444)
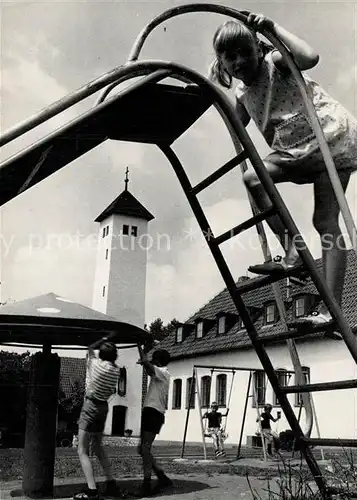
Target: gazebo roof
(52,319)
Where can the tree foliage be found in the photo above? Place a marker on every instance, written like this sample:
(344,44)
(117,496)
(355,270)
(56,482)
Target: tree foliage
(69,406)
(14,381)
(159,331)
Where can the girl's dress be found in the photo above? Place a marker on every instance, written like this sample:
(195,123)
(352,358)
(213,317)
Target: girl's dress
(275,104)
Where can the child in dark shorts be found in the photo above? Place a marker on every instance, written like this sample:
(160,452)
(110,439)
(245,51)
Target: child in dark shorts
(101,380)
(153,417)
(214,418)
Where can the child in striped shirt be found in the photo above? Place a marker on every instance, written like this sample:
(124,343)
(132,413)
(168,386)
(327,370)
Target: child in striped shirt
(101,381)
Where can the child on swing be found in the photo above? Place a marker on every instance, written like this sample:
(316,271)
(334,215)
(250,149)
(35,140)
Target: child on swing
(270,437)
(268,93)
(214,418)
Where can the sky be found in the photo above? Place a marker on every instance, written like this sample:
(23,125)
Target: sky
(48,233)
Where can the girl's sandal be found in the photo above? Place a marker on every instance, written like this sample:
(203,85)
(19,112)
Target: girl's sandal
(276,266)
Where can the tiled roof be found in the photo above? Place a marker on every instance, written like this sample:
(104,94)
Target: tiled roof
(72,370)
(237,338)
(125,204)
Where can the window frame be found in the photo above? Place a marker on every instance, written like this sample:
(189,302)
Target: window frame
(266,313)
(296,307)
(221,389)
(220,318)
(283,373)
(260,401)
(199,330)
(179,329)
(122,379)
(206,382)
(307,378)
(177,394)
(190,404)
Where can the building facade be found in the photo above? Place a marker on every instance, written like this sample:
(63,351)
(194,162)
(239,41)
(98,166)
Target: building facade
(119,291)
(215,336)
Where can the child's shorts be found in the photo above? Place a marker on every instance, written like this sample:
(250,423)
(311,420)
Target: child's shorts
(152,420)
(93,415)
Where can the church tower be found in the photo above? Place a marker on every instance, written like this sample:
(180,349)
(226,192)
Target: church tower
(119,291)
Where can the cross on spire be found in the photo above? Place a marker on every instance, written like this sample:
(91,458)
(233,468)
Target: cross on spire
(126,178)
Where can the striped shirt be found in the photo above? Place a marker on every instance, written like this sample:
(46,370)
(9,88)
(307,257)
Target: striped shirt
(102,378)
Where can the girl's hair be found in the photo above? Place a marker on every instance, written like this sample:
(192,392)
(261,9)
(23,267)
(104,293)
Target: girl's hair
(230,37)
(108,352)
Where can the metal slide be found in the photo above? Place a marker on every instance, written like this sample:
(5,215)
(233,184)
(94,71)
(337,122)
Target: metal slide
(152,112)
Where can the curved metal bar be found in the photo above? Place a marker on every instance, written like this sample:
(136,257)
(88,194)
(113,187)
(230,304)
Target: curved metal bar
(118,75)
(178,11)
(63,348)
(242,16)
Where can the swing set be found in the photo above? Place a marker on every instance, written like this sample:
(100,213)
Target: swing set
(203,403)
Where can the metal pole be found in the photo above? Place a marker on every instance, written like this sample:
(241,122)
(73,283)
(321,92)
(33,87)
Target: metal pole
(317,425)
(244,415)
(193,385)
(255,400)
(233,368)
(299,417)
(200,415)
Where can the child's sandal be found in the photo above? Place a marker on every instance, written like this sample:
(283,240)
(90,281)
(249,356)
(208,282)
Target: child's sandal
(275,266)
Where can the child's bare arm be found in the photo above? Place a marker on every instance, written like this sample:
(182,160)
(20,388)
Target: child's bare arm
(242,112)
(149,367)
(304,55)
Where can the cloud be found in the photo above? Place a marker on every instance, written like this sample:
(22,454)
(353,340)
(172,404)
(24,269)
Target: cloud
(58,264)
(347,79)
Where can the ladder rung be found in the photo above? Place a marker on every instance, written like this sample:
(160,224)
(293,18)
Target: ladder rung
(259,282)
(349,443)
(253,221)
(322,386)
(220,172)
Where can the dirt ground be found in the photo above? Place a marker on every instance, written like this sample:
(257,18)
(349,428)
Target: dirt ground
(204,486)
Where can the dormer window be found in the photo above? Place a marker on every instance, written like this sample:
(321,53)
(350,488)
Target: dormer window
(183,330)
(202,326)
(199,330)
(222,325)
(270,314)
(225,321)
(299,307)
(179,335)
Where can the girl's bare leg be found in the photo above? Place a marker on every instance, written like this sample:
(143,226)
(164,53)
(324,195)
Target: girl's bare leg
(263,202)
(325,219)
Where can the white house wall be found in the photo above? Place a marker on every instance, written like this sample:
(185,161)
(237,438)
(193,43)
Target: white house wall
(328,360)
